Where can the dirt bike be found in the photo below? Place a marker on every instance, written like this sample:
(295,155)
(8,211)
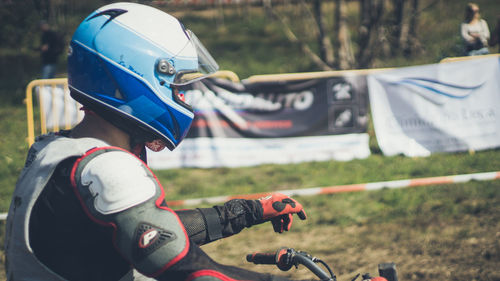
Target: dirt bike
(286,258)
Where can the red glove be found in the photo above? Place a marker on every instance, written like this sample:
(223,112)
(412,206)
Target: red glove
(279,209)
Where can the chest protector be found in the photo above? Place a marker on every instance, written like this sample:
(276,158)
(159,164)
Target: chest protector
(42,160)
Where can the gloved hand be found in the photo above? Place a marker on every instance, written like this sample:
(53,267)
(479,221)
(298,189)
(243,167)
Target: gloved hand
(278,208)
(237,214)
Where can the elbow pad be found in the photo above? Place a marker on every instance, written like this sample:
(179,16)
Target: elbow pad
(202,225)
(116,189)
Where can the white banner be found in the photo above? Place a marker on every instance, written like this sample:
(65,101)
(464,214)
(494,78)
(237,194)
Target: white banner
(237,152)
(59,108)
(437,108)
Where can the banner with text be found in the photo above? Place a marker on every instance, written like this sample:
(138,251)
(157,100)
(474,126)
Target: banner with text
(443,107)
(244,124)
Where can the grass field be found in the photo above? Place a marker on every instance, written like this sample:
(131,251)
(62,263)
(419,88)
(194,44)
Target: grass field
(446,232)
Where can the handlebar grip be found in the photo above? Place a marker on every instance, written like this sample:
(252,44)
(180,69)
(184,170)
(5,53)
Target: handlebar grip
(262,258)
(388,271)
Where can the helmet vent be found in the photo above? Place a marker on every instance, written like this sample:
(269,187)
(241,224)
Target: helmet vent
(112,13)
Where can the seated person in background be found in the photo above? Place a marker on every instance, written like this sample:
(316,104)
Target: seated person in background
(474,32)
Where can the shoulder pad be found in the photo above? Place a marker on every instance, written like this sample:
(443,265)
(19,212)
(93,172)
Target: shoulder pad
(117,180)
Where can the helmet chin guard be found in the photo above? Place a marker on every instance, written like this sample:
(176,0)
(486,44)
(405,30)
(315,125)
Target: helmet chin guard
(124,61)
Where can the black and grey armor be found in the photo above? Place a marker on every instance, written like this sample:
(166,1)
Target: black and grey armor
(85,211)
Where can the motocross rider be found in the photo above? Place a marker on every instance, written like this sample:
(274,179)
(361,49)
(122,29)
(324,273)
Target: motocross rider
(87,206)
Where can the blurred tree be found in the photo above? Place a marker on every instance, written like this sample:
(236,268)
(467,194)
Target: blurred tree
(413,45)
(343,47)
(371,12)
(324,43)
(292,37)
(20,37)
(18,23)
(19,19)
(385,28)
(397,27)
(45,9)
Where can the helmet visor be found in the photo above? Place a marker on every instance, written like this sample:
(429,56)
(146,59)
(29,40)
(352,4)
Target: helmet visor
(206,63)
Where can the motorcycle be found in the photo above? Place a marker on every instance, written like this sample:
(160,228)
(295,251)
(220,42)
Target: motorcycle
(286,258)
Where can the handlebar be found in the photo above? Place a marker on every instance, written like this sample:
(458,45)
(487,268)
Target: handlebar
(285,258)
(262,258)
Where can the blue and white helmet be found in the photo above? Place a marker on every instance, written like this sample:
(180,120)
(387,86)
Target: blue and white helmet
(125,61)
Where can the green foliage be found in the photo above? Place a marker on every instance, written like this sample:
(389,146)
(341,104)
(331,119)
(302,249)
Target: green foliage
(20,39)
(249,45)
(416,208)
(19,23)
(249,42)
(243,39)
(190,183)
(13,149)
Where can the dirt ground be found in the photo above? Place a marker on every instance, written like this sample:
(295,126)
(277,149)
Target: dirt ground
(466,249)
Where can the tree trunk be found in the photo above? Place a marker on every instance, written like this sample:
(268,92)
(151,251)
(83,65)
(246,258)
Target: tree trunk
(325,48)
(413,44)
(44,8)
(371,12)
(268,8)
(343,49)
(364,32)
(397,26)
(219,18)
(293,38)
(382,46)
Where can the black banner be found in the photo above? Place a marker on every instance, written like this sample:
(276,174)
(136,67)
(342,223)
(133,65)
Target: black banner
(314,107)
